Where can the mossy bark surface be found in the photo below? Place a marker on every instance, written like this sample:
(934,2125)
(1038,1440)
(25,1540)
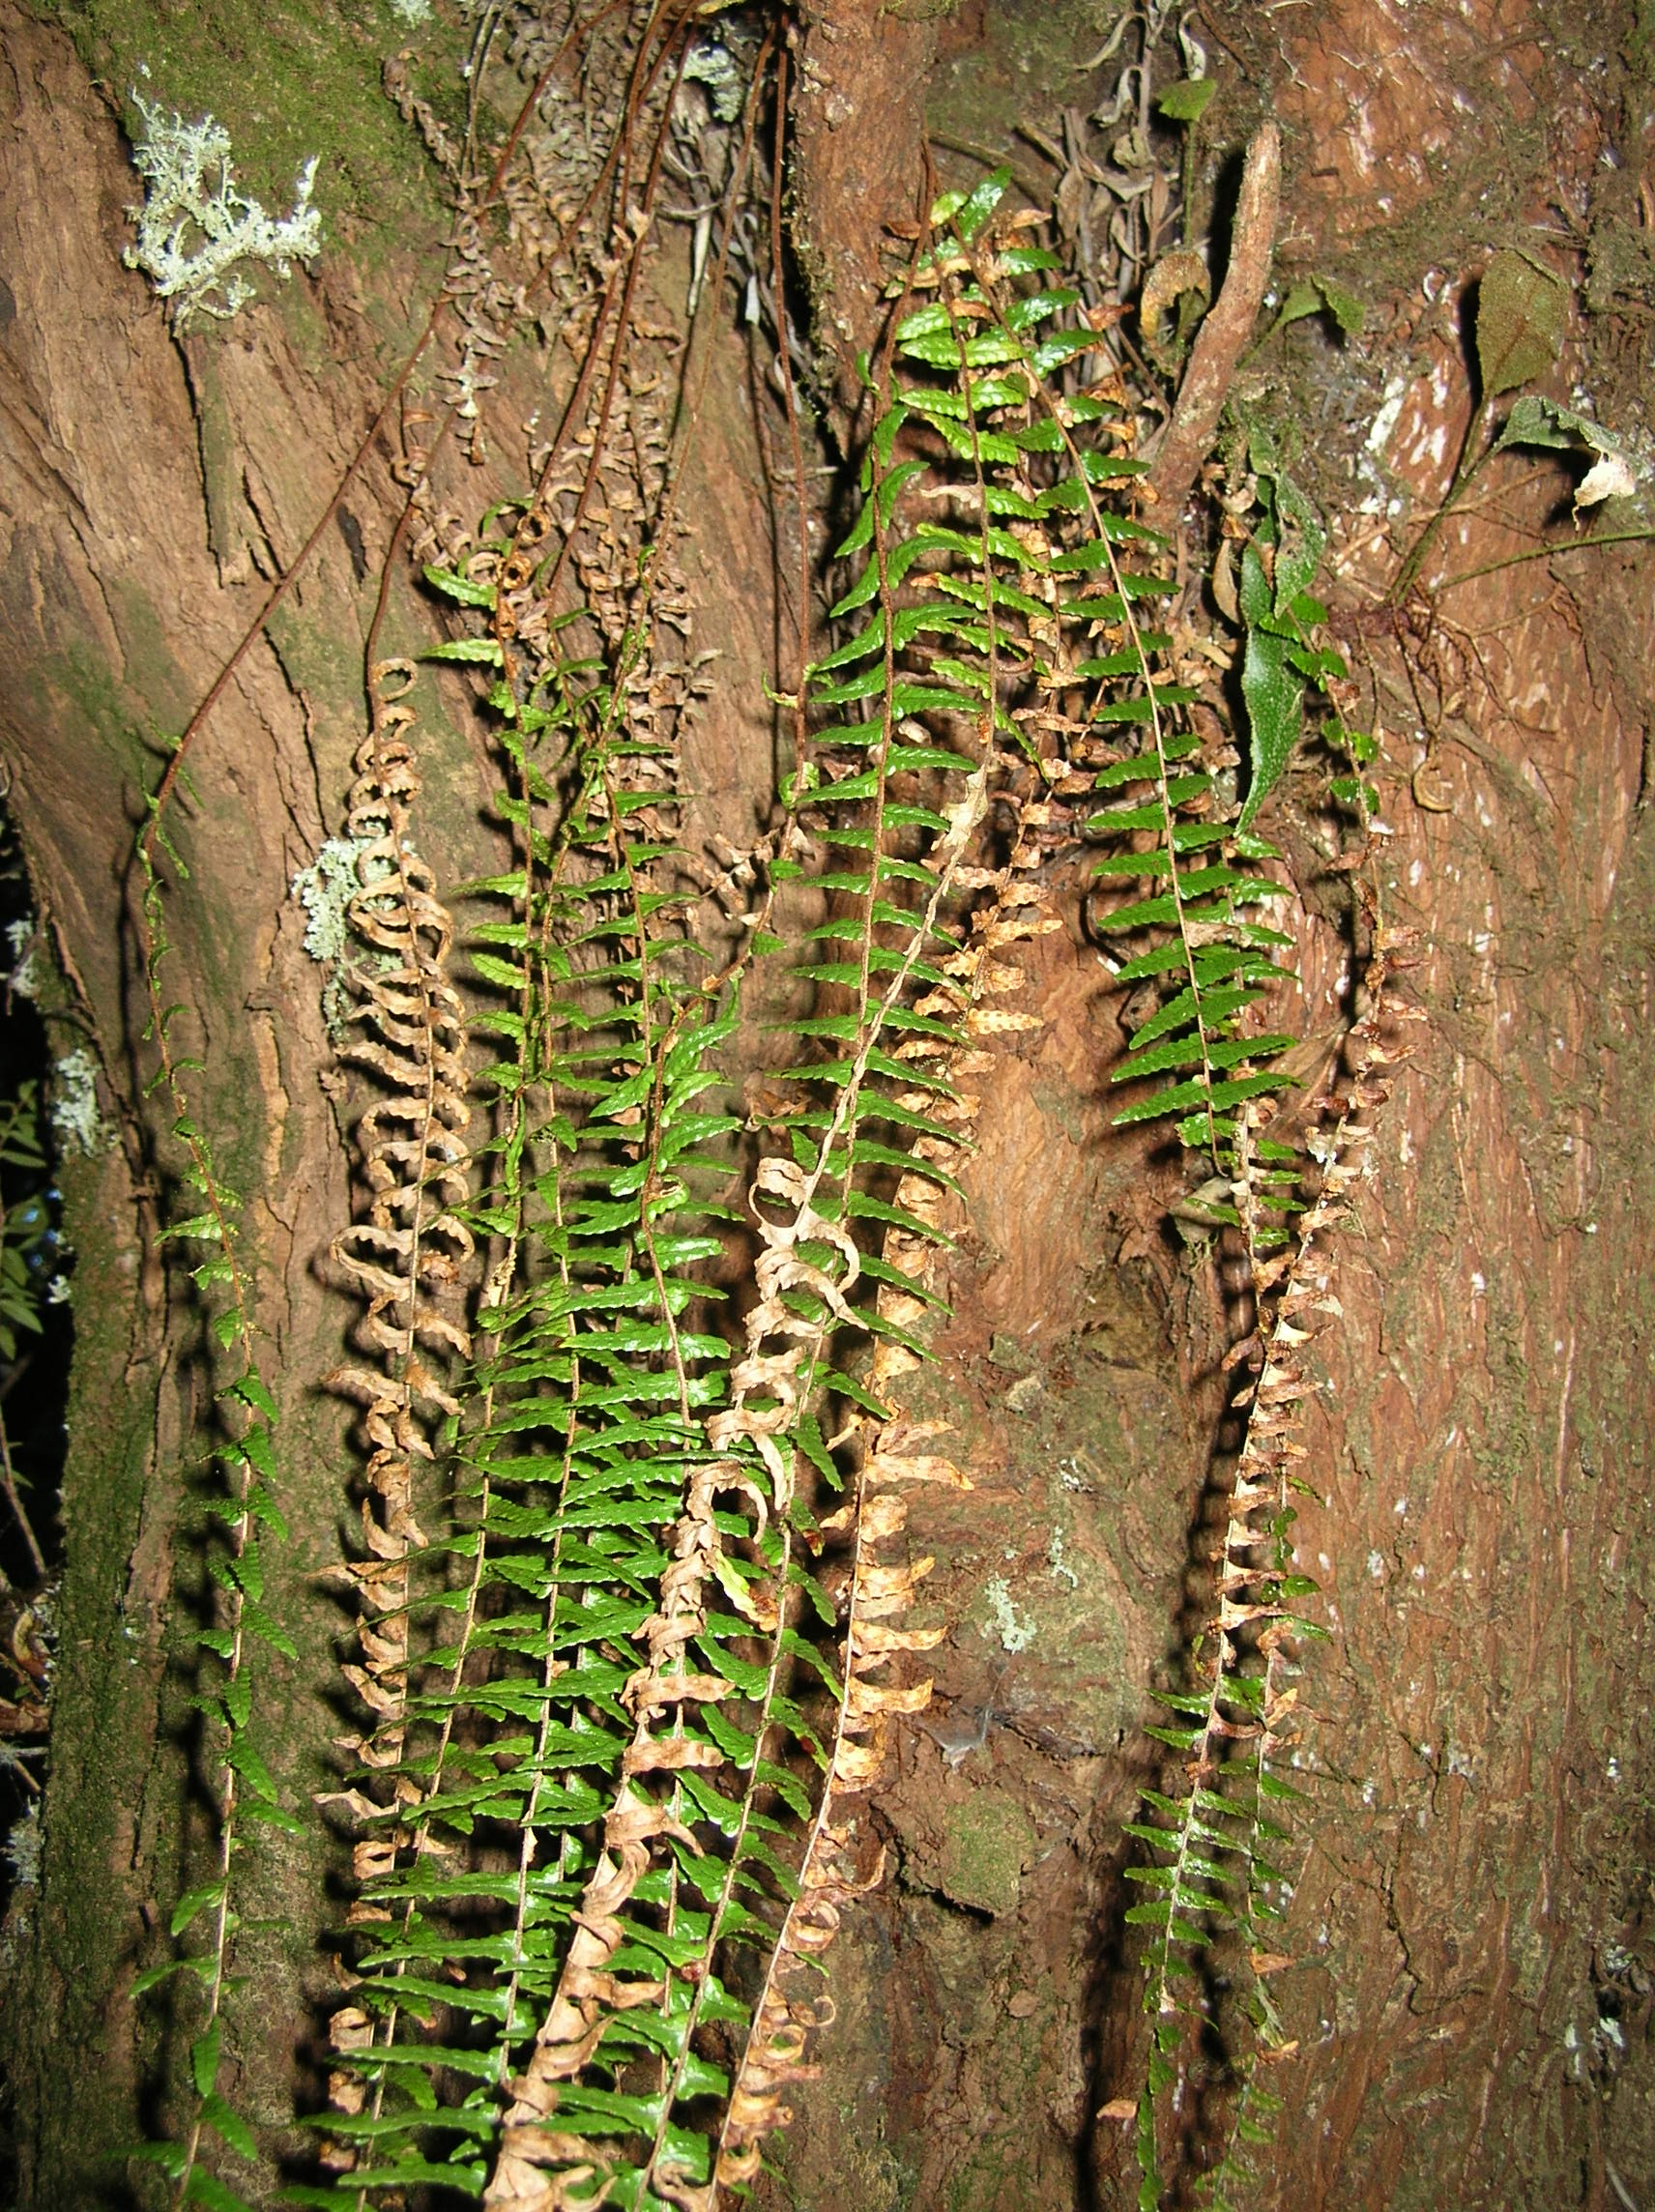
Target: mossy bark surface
(149,489)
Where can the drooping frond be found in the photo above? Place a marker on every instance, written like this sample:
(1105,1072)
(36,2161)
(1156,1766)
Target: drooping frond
(244,1515)
(1214,1869)
(408,1257)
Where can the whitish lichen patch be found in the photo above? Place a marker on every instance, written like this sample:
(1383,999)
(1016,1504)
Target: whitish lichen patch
(195,230)
(325,891)
(1014,1628)
(78,1125)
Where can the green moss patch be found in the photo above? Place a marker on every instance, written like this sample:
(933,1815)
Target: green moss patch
(286,83)
(987,1840)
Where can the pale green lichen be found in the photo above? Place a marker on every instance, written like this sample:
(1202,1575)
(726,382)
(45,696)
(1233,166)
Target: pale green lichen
(1057,1560)
(1015,1630)
(325,891)
(713,66)
(74,1115)
(195,230)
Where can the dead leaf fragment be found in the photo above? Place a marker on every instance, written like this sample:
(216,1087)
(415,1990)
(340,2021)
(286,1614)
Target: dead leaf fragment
(1173,277)
(1609,476)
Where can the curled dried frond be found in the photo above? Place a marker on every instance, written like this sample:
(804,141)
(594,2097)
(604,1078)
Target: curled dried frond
(893,1451)
(408,1254)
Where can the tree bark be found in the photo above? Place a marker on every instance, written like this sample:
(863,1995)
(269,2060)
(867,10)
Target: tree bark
(148,491)
(1469,1995)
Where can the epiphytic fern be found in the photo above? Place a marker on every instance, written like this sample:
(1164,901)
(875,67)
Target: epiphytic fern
(616,1722)
(1213,1870)
(236,1780)
(1213,1881)
(650,1717)
(892,1454)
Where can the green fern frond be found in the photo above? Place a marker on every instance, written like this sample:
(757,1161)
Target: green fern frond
(247,1513)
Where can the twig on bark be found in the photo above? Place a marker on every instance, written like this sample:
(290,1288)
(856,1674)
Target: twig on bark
(9,1484)
(1228,327)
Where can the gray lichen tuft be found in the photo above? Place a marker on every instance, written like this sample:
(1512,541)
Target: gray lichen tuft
(195,230)
(325,891)
(76,1121)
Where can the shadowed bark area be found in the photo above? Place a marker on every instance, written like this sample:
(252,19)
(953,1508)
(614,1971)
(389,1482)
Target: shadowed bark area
(112,621)
(1468,1991)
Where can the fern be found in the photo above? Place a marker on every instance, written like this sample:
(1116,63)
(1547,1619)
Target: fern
(645,1719)
(614,1728)
(238,1784)
(893,1453)
(407,1257)
(1216,1848)
(748,1452)
(1213,1881)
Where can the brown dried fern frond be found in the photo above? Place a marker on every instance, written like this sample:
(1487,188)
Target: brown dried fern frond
(408,1254)
(1223,1840)
(895,1454)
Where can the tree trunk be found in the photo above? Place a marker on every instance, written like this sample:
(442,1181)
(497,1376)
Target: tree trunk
(1465,1990)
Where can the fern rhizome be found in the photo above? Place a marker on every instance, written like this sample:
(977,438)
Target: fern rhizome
(633,1618)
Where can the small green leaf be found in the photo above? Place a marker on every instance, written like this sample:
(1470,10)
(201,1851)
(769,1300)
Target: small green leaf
(460,588)
(1275,715)
(970,213)
(152,1977)
(193,1901)
(252,1770)
(1347,311)
(258,1623)
(1258,601)
(168,2156)
(1521,315)
(1303,539)
(252,1391)
(270,1817)
(230,2124)
(204,2057)
(1186,102)
(207,1225)
(1535,421)
(483,651)
(1303,299)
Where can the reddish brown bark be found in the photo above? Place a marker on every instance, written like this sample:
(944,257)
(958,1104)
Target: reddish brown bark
(859,121)
(1471,1901)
